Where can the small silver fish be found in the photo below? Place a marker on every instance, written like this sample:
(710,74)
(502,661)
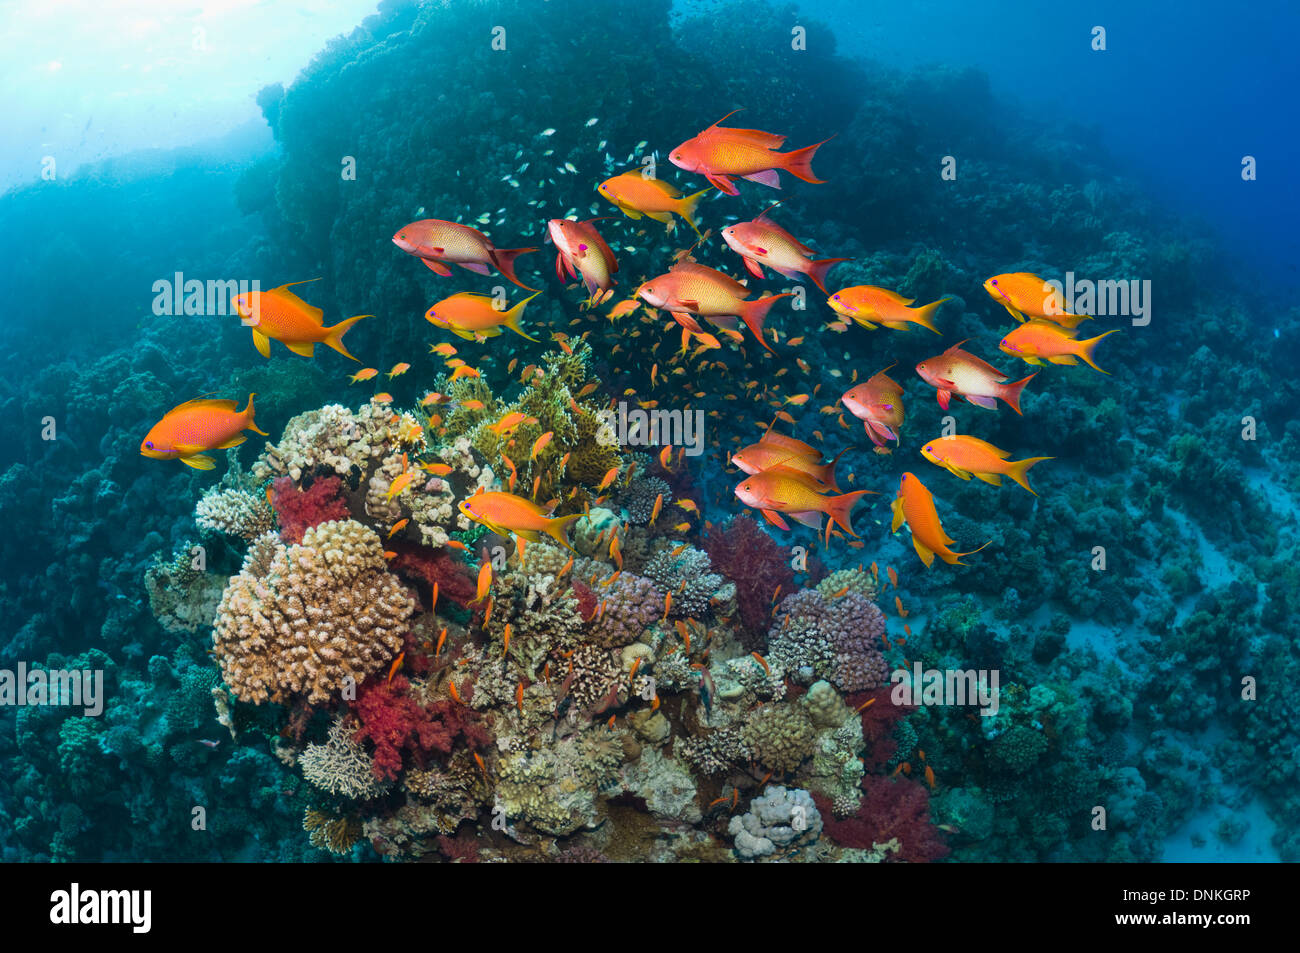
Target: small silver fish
(592,121)
(548,132)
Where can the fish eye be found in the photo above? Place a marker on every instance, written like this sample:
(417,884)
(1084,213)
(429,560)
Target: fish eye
(148,444)
(994,280)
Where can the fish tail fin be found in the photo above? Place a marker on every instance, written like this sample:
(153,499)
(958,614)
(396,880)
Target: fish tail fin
(514,314)
(924,315)
(1011,393)
(1086,349)
(334,335)
(840,509)
(826,471)
(754,313)
(504,259)
(556,527)
(799,162)
(1018,470)
(686,208)
(249,422)
(817,271)
(956,560)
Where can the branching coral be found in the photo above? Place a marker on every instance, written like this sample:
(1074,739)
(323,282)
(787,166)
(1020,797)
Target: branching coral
(234,512)
(324,611)
(341,765)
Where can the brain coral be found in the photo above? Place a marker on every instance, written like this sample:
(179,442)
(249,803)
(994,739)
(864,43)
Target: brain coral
(322,611)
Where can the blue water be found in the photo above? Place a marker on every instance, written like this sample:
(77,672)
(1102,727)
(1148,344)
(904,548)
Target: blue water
(675,696)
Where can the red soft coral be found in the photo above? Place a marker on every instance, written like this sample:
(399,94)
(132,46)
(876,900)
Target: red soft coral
(891,808)
(757,564)
(878,722)
(395,722)
(298,510)
(422,564)
(586,599)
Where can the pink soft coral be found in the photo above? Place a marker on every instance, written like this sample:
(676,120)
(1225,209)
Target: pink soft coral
(891,808)
(298,510)
(429,566)
(395,722)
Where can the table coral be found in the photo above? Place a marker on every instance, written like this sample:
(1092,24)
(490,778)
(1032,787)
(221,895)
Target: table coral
(324,611)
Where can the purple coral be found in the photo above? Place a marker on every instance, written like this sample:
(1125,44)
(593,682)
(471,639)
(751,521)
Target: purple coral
(839,640)
(632,604)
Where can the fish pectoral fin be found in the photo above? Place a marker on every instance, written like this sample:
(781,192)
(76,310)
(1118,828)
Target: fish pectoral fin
(811,518)
(897,508)
(865,323)
(531,535)
(1013,312)
(958,471)
(723,183)
(775,519)
(1063,359)
(768,177)
(262,343)
(437,267)
(944,397)
(198,461)
(993,479)
(234,441)
(988,403)
(302,348)
(754,267)
(1033,360)
(924,551)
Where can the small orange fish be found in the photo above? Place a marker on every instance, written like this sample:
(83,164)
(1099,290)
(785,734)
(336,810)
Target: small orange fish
(397,663)
(608,478)
(481,766)
(389,554)
(464,371)
(893,576)
(519,697)
(665,456)
(399,484)
(668,603)
(636,664)
(929,776)
(540,444)
(761,661)
(505,640)
(659,505)
(484,581)
(442,637)
(456,544)
(365,374)
(898,604)
(397,527)
(866,704)
(455,694)
(398,369)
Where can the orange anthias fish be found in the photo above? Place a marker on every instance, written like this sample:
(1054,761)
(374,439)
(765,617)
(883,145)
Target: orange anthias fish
(959,372)
(774,493)
(475,316)
(915,506)
(1037,341)
(198,425)
(690,289)
(636,194)
(1025,295)
(965,457)
(282,315)
(720,153)
(763,242)
(581,251)
(762,456)
(870,306)
(438,243)
(878,403)
(507,514)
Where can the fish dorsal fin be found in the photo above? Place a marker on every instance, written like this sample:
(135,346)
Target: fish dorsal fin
(726,117)
(282,293)
(471,294)
(215,403)
(956,346)
(762,216)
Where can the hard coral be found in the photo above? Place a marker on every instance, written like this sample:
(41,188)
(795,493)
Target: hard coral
(316,614)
